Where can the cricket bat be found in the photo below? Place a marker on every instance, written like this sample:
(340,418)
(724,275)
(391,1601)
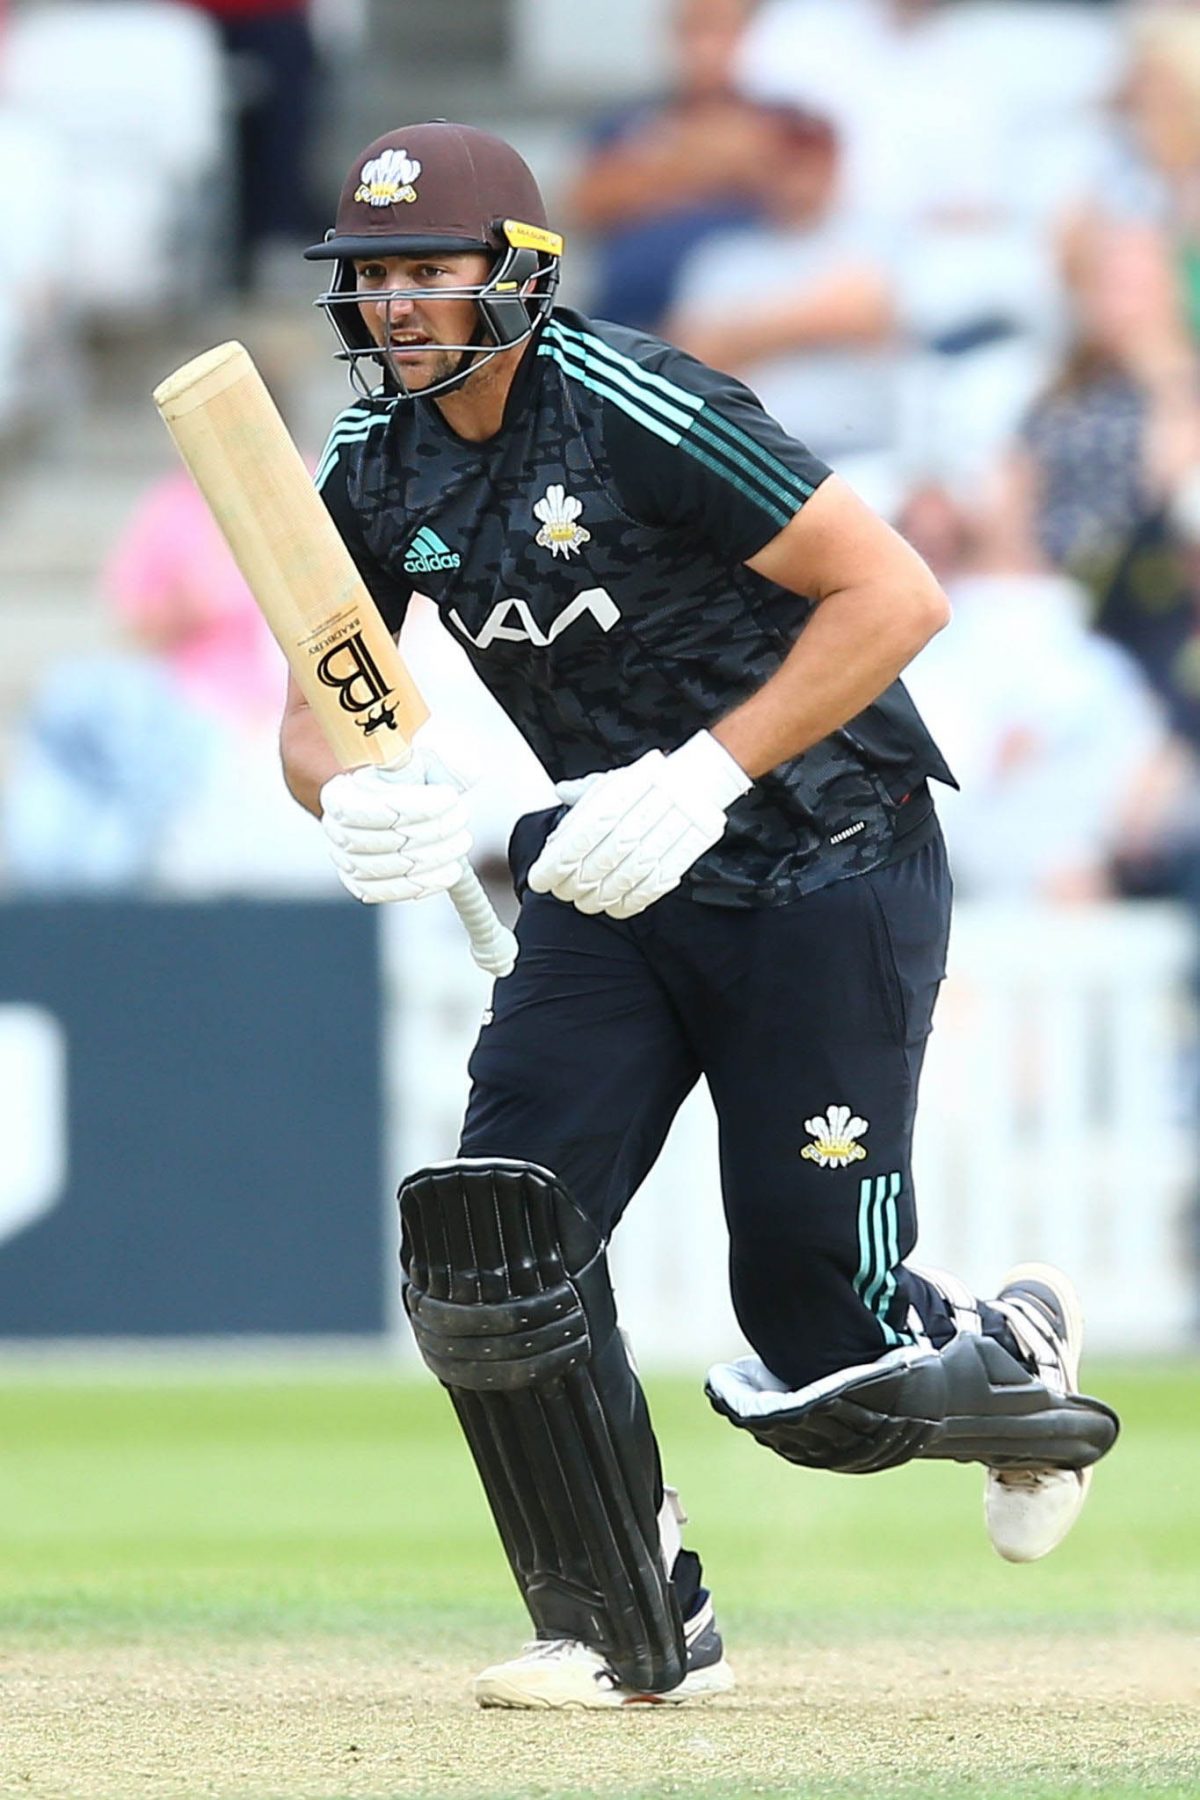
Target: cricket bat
(230,434)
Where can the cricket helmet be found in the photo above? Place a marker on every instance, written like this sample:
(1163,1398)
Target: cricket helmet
(441,189)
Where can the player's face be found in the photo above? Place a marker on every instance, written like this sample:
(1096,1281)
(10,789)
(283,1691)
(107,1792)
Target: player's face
(415,325)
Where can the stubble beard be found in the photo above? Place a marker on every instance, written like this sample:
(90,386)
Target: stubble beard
(425,371)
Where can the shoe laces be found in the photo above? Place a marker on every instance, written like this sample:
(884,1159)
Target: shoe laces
(1038,1338)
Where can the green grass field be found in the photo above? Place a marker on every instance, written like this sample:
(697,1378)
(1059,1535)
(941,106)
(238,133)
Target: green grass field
(207,1584)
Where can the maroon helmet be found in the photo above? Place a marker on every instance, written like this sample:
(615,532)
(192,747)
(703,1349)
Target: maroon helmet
(431,189)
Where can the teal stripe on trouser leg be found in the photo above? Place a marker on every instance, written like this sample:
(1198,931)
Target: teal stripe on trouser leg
(879,1244)
(863,1276)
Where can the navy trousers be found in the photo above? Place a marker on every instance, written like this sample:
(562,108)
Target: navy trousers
(808,1021)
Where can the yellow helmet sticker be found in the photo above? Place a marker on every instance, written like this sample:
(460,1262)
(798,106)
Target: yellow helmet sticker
(532,237)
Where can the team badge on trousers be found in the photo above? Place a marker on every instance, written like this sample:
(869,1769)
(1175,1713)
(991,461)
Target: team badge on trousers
(835,1138)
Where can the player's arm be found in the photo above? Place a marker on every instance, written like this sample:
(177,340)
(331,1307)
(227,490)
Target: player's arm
(308,762)
(633,833)
(394,833)
(878,604)
(726,473)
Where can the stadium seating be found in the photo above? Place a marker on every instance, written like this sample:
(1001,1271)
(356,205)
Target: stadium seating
(134,94)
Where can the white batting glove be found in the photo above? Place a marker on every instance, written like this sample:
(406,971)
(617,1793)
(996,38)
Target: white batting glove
(632,834)
(397,834)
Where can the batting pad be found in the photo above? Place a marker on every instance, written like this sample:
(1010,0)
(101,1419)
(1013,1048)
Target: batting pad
(971,1402)
(508,1292)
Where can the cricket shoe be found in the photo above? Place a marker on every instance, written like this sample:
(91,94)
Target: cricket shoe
(562,1672)
(1030,1511)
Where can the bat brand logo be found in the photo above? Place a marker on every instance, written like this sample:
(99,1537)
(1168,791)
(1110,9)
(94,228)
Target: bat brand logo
(350,669)
(512,620)
(383,720)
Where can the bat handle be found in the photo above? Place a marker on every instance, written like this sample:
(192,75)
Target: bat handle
(493,946)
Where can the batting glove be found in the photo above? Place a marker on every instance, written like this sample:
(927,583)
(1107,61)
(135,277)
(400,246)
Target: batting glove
(397,834)
(632,834)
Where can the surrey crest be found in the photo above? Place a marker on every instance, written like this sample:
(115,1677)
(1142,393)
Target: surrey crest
(561,533)
(387,179)
(834,1138)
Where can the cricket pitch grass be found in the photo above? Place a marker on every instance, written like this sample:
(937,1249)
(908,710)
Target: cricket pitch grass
(276,1586)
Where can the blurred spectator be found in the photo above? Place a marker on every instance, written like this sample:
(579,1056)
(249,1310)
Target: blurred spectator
(273,58)
(1061,750)
(98,764)
(39,324)
(866,64)
(979,303)
(661,175)
(1109,469)
(174,587)
(127,767)
(800,306)
(915,85)
(965,132)
(1156,176)
(132,95)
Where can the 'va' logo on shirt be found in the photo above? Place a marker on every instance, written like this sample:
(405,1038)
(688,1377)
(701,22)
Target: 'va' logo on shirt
(427,552)
(512,620)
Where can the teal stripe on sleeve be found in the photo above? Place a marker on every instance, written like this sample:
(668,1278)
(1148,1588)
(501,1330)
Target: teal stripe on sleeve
(351,428)
(771,464)
(658,426)
(622,373)
(656,386)
(691,411)
(782,516)
(792,498)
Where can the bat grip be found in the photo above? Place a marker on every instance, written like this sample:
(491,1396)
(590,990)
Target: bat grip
(493,946)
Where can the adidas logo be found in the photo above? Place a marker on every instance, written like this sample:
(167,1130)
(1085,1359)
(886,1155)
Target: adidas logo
(427,552)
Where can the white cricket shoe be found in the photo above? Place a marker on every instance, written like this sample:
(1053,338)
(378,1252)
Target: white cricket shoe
(1030,1511)
(562,1672)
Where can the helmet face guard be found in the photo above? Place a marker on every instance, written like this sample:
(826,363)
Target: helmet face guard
(511,304)
(438,189)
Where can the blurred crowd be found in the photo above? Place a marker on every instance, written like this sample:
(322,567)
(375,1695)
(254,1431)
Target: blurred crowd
(955,247)
(177,137)
(953,244)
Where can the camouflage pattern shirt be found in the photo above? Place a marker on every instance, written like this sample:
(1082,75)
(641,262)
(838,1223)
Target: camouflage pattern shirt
(590,558)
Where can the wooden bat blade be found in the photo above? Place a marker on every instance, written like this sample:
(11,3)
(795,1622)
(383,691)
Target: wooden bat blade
(230,434)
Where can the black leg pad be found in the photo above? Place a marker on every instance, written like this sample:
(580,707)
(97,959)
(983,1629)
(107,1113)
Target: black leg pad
(507,1288)
(971,1402)
(996,1412)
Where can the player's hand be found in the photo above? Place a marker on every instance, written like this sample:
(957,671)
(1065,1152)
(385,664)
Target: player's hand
(397,834)
(632,834)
